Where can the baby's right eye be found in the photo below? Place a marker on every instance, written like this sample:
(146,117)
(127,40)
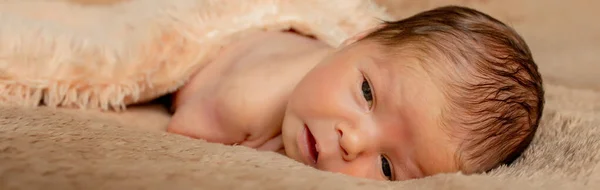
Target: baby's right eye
(366,90)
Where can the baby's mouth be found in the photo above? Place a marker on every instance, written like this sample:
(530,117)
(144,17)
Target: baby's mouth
(312,145)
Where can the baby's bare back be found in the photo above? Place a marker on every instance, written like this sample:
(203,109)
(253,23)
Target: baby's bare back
(241,97)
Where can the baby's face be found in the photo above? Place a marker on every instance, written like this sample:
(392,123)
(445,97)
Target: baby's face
(364,113)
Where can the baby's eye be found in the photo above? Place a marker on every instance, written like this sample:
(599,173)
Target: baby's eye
(386,168)
(366,90)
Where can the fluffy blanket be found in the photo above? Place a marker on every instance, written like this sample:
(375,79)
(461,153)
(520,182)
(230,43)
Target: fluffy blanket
(59,54)
(48,148)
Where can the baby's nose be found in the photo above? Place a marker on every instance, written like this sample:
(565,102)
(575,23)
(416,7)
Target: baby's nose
(352,141)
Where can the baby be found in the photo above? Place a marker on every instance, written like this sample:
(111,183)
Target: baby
(450,89)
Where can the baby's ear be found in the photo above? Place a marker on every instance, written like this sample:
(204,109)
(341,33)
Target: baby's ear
(361,35)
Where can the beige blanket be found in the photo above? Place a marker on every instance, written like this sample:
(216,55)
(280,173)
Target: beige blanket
(45,148)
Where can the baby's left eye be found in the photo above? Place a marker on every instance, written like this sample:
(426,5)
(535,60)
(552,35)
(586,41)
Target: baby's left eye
(386,168)
(366,90)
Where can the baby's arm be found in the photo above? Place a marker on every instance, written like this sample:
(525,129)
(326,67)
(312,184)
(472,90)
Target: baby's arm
(221,115)
(200,121)
(203,122)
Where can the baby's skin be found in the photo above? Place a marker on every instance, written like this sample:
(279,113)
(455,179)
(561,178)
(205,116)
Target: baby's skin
(355,109)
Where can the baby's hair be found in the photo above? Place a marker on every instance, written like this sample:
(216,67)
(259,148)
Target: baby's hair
(487,74)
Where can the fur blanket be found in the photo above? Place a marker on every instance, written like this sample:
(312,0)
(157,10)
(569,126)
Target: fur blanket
(48,148)
(60,54)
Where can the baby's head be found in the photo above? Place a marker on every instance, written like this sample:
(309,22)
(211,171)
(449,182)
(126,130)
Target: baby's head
(450,89)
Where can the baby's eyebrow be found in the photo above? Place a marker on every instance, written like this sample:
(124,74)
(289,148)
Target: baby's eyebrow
(407,166)
(416,169)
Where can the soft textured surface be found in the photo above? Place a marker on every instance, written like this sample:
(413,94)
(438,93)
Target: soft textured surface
(48,148)
(68,149)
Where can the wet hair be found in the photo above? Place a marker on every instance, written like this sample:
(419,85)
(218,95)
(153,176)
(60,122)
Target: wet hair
(490,81)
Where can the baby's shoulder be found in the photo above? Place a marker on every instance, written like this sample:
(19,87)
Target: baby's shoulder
(249,102)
